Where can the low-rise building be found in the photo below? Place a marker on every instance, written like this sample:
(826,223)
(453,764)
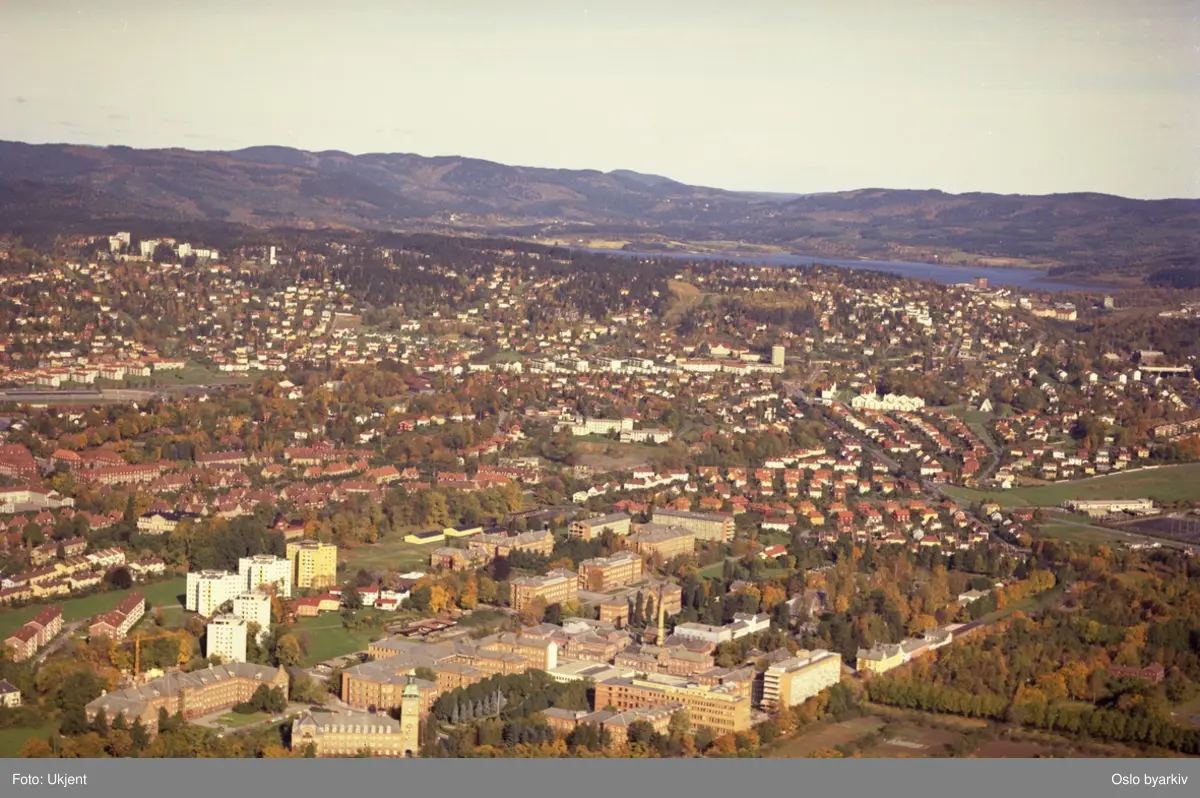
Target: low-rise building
(662,540)
(714,708)
(193,695)
(588,528)
(557,587)
(705,526)
(604,573)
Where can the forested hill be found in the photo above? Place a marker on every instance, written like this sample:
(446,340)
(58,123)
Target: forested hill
(76,187)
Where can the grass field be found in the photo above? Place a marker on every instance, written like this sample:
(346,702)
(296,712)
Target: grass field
(605,455)
(325,637)
(825,735)
(391,553)
(236,720)
(1188,715)
(1168,483)
(12,740)
(79,609)
(1070,533)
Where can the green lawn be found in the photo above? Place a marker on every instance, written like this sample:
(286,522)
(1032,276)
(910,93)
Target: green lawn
(1169,483)
(78,609)
(327,638)
(12,740)
(390,554)
(1076,534)
(236,720)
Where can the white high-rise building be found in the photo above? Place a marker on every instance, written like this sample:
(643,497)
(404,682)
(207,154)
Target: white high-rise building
(208,590)
(254,608)
(225,636)
(778,355)
(263,570)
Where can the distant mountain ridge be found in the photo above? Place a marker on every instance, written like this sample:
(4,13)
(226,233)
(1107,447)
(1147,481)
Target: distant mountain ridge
(272,186)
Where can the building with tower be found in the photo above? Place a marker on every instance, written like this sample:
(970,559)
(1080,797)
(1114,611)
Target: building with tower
(350,732)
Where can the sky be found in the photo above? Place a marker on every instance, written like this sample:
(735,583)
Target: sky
(1019,96)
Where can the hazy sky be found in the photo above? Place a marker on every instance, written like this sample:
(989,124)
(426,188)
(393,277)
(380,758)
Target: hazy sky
(1014,96)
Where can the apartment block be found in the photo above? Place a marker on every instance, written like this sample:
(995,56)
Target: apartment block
(116,624)
(208,590)
(314,564)
(794,681)
(262,572)
(254,608)
(225,637)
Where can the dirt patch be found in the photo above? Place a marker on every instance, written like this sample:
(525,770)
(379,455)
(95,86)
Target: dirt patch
(826,735)
(612,456)
(907,742)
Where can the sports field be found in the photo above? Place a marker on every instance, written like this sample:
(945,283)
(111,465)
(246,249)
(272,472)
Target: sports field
(1166,483)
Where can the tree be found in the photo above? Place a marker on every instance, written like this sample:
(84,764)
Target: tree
(119,578)
(351,598)
(287,651)
(305,689)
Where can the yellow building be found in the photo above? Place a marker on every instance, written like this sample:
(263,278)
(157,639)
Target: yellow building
(314,564)
(716,708)
(348,733)
(880,659)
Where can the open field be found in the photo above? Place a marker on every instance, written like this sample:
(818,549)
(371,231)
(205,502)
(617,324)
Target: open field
(78,609)
(324,637)
(1070,533)
(12,740)
(391,553)
(236,720)
(1168,483)
(1027,605)
(684,297)
(825,735)
(909,741)
(1188,714)
(613,456)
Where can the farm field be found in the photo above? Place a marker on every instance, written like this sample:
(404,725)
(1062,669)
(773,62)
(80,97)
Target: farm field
(159,594)
(825,735)
(1168,483)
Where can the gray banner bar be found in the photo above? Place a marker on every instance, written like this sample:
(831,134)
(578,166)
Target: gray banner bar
(610,778)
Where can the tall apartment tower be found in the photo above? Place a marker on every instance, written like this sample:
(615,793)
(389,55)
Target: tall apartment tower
(778,354)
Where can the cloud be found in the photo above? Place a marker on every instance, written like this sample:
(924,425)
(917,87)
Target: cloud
(61,123)
(117,117)
(20,100)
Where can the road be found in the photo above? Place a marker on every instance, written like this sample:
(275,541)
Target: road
(58,642)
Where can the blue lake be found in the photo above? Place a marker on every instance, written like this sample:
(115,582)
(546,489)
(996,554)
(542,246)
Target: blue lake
(1027,279)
